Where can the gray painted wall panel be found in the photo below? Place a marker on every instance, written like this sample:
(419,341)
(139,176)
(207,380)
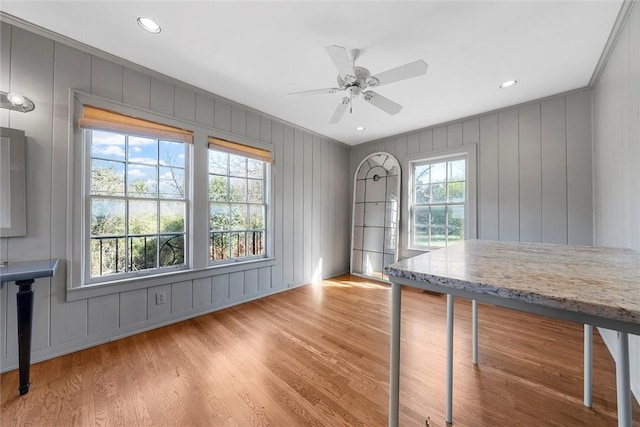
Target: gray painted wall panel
(310,215)
(616,156)
(530,163)
(489,182)
(265,129)
(136,87)
(181,296)
(238,120)
(298,215)
(439,138)
(579,188)
(222,115)
(106,78)
(554,172)
(250,282)
(426,141)
(220,289)
(236,285)
(277,137)
(103,314)
(454,135)
(185,104)
(413,144)
(509,198)
(202,292)
(162,96)
(5,72)
(133,307)
(264,278)
(72,68)
(471,131)
(253,125)
(288,275)
(204,110)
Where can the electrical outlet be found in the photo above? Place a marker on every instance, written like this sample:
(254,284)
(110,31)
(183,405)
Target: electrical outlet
(161,298)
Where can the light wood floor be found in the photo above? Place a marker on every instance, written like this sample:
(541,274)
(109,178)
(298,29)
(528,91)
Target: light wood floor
(318,356)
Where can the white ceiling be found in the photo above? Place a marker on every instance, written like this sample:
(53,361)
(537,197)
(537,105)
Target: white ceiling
(256,52)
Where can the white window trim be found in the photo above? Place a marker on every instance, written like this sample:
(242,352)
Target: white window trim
(471,217)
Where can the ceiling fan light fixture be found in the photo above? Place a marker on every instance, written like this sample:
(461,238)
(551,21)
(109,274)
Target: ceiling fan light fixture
(359,128)
(148,24)
(508,84)
(16,101)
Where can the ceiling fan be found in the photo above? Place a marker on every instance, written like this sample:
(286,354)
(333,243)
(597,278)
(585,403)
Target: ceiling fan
(354,80)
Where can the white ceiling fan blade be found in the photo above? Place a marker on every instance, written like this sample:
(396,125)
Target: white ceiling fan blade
(326,91)
(340,109)
(340,59)
(406,71)
(383,103)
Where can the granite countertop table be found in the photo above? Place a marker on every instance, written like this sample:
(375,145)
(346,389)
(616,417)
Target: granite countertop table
(592,281)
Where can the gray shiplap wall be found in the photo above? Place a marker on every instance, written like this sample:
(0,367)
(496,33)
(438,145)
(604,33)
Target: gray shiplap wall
(534,168)
(310,207)
(616,140)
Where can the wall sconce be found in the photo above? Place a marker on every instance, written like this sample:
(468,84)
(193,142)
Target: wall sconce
(16,101)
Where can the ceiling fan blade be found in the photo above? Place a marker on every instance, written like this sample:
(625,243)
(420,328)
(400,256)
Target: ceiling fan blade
(340,109)
(325,91)
(340,59)
(406,71)
(383,103)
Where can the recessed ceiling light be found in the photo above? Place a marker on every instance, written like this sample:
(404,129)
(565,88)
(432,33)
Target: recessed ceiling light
(508,84)
(148,24)
(360,128)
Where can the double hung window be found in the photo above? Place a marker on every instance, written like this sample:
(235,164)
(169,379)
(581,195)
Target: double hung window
(237,200)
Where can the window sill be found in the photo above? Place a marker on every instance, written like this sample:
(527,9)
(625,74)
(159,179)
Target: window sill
(130,284)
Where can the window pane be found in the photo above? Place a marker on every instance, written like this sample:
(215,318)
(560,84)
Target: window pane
(255,191)
(172,153)
(254,168)
(455,235)
(422,174)
(171,250)
(457,170)
(237,165)
(455,216)
(218,188)
(255,244)
(256,217)
(439,172)
(107,145)
(107,217)
(143,217)
(238,244)
(238,217)
(142,181)
(107,178)
(237,190)
(423,195)
(219,217)
(143,150)
(171,183)
(438,216)
(107,256)
(456,192)
(142,252)
(218,162)
(438,236)
(220,248)
(172,216)
(438,193)
(421,220)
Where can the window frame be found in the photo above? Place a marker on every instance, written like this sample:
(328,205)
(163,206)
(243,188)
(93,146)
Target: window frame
(267,178)
(87,279)
(467,152)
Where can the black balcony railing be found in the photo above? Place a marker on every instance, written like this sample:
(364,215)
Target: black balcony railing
(236,244)
(109,254)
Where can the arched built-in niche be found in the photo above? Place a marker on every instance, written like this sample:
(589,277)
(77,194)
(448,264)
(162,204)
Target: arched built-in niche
(376,207)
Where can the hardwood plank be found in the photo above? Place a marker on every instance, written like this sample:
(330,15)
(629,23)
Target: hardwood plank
(318,356)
